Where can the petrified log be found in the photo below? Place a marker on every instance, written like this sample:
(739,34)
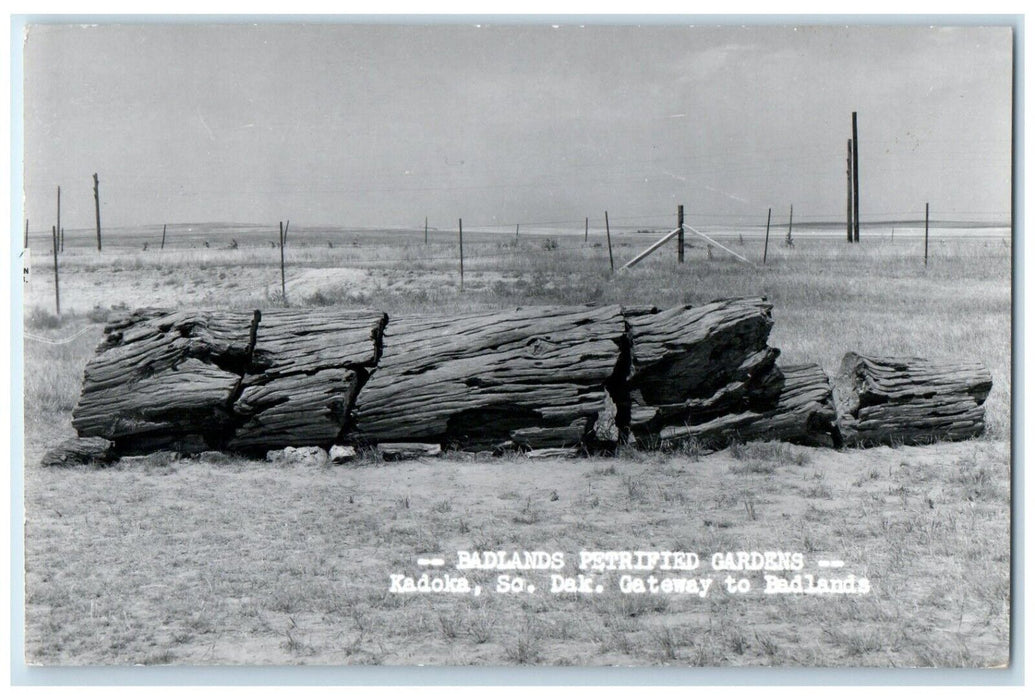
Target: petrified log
(229,380)
(693,364)
(532,378)
(159,377)
(908,400)
(553,453)
(803,413)
(536,376)
(303,376)
(83,450)
(393,451)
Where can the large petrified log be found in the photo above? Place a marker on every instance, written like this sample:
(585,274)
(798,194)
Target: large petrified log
(803,412)
(303,376)
(908,400)
(162,377)
(691,365)
(536,376)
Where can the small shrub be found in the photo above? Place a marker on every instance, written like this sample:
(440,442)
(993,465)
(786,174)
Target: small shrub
(667,642)
(527,515)
(40,319)
(526,648)
(765,457)
(480,628)
(98,314)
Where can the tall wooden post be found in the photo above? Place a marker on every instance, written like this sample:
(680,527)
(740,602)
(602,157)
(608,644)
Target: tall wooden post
(679,225)
(163,237)
(765,250)
(586,239)
(517,232)
(283,283)
(57,227)
(461,255)
(57,283)
(850,208)
(790,227)
(425,230)
(607,225)
(855,174)
(96,205)
(927,221)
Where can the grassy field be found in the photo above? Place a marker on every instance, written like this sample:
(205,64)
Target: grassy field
(184,561)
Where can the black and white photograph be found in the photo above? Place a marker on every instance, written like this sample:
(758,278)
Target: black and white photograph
(584,342)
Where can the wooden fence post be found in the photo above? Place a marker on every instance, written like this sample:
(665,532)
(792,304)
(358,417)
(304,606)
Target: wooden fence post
(927,221)
(850,209)
(765,250)
(855,174)
(57,283)
(790,226)
(610,255)
(461,255)
(586,239)
(283,283)
(97,207)
(679,221)
(517,232)
(425,230)
(163,237)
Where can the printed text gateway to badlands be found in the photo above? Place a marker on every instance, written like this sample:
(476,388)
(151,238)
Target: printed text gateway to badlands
(782,572)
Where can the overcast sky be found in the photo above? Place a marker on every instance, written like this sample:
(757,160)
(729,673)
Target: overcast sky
(384,125)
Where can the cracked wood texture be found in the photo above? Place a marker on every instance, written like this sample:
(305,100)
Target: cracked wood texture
(693,364)
(80,450)
(536,376)
(908,400)
(803,412)
(305,370)
(159,377)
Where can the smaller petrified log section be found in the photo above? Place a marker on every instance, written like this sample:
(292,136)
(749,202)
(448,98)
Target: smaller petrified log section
(803,412)
(82,450)
(407,450)
(160,377)
(890,400)
(303,376)
(536,376)
(691,365)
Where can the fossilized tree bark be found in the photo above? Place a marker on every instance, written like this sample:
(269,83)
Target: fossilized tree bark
(163,376)
(303,376)
(803,412)
(82,450)
(533,377)
(889,400)
(536,376)
(693,364)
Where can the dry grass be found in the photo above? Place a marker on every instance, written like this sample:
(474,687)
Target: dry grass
(241,562)
(245,562)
